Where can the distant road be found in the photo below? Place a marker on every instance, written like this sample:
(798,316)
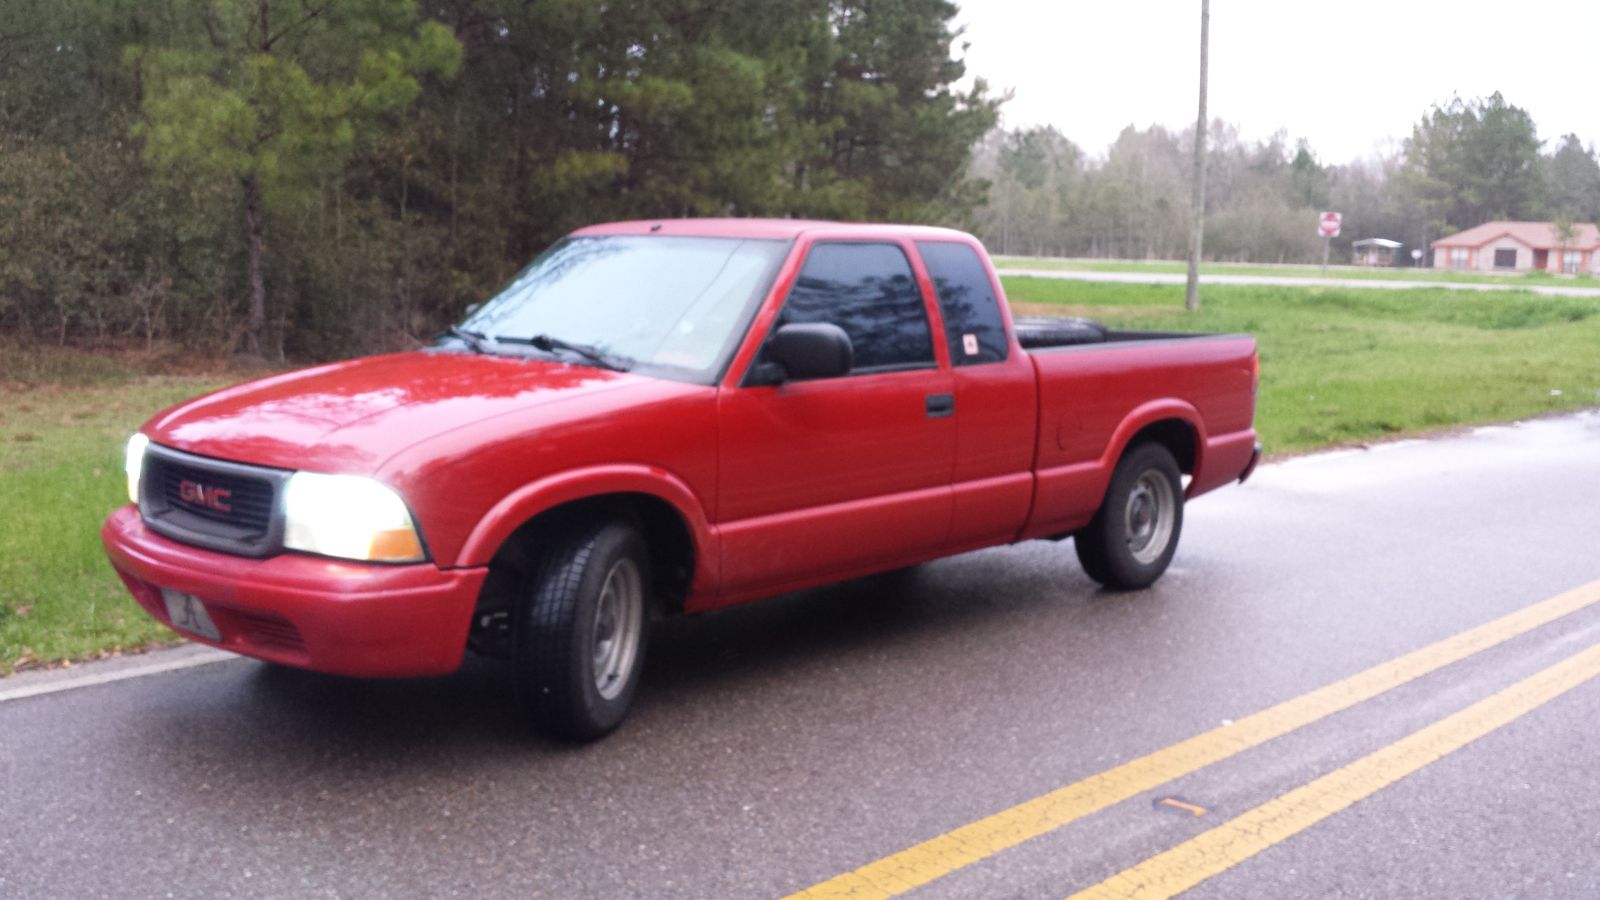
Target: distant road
(1548,290)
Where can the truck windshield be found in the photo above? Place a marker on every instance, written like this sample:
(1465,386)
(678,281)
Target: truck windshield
(674,306)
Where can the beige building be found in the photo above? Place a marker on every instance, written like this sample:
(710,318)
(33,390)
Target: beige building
(1520,247)
(1373,252)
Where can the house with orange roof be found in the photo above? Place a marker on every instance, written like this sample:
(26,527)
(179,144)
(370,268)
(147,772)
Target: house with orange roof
(1520,247)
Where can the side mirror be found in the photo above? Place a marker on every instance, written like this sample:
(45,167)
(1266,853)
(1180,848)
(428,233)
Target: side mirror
(805,351)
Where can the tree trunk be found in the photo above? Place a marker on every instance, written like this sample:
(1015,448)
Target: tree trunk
(455,167)
(255,247)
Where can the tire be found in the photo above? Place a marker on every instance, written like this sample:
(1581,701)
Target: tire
(1131,540)
(1045,331)
(579,633)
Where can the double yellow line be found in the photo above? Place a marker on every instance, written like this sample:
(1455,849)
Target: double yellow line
(1222,847)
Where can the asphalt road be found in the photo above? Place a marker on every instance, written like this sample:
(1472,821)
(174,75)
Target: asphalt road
(783,744)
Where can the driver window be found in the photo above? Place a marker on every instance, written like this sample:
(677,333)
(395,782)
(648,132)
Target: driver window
(870,292)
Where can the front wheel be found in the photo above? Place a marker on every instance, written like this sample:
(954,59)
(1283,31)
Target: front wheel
(579,635)
(1130,542)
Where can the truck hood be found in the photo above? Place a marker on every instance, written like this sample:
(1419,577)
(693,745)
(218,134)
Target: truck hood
(349,417)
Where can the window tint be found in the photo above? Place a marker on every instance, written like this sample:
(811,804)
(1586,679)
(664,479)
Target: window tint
(869,291)
(972,322)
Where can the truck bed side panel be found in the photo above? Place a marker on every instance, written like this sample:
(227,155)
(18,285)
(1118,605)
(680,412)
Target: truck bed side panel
(1094,398)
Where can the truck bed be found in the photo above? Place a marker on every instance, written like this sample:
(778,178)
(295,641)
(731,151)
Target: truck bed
(1093,387)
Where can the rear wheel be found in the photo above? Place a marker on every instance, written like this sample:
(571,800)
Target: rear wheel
(579,634)
(1133,536)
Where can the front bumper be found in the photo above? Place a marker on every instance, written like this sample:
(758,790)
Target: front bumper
(344,618)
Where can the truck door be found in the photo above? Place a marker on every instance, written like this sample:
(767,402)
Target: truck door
(996,398)
(834,477)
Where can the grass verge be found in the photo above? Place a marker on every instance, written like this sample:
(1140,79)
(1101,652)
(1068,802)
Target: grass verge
(1342,366)
(1339,366)
(1349,273)
(63,419)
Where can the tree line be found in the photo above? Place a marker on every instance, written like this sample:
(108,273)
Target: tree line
(323,177)
(316,178)
(1465,162)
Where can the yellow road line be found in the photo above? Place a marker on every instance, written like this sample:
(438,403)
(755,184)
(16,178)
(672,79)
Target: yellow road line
(939,856)
(1215,851)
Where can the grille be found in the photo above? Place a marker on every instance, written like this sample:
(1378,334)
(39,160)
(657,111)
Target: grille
(249,500)
(213,503)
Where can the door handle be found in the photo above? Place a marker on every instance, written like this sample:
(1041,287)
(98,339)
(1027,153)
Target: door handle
(941,405)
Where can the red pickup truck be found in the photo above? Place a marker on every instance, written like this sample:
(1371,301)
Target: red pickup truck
(667,417)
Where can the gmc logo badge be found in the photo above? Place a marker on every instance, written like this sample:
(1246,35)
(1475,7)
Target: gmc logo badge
(208,497)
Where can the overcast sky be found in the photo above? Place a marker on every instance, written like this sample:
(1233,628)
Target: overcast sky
(1352,78)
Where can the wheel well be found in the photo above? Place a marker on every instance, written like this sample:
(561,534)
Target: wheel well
(1174,434)
(665,534)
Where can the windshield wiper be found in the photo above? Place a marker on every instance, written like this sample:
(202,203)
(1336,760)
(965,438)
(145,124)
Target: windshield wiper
(554,345)
(476,340)
(485,343)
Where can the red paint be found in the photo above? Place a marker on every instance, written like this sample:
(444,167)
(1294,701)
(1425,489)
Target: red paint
(355,619)
(779,488)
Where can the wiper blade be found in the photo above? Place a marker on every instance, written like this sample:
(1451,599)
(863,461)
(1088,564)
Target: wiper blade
(476,340)
(551,344)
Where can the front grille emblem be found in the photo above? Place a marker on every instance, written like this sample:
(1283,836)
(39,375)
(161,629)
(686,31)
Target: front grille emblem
(197,494)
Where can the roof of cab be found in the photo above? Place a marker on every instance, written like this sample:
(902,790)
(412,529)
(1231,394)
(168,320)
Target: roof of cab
(770,229)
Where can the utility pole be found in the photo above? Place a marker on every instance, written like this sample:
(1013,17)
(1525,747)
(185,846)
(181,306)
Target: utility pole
(1191,297)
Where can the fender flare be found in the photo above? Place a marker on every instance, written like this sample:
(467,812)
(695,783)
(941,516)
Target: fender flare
(528,501)
(1147,414)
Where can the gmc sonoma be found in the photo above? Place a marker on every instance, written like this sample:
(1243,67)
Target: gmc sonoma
(667,417)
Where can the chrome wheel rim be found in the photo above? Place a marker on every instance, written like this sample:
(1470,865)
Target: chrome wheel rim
(618,623)
(1149,516)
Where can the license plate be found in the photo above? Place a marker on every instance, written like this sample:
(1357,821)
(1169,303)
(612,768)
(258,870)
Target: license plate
(189,614)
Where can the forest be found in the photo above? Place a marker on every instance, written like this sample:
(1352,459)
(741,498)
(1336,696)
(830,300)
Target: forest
(315,178)
(312,178)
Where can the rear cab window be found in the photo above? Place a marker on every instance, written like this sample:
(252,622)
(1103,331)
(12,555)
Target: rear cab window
(974,326)
(869,290)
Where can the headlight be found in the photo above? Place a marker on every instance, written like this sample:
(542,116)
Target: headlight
(349,517)
(133,463)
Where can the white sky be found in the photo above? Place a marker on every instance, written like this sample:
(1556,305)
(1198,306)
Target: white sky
(1350,77)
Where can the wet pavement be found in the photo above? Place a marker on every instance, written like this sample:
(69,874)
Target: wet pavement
(781,744)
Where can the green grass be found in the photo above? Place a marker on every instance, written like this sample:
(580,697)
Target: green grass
(1342,366)
(1339,366)
(63,420)
(1356,273)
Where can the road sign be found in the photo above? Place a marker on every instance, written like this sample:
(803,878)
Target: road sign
(1328,224)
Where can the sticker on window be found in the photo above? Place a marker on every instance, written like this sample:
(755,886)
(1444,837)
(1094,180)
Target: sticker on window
(969,343)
